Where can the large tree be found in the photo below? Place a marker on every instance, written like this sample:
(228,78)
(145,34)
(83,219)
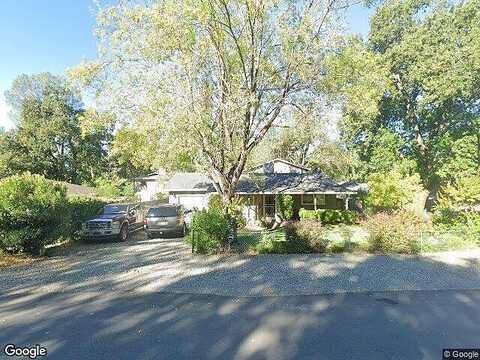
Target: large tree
(210,77)
(310,141)
(417,77)
(48,137)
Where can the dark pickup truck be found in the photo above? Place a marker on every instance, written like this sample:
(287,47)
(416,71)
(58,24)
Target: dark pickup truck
(115,221)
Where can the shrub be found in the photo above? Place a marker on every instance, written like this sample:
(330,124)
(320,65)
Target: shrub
(458,201)
(215,202)
(35,212)
(392,191)
(162,197)
(114,187)
(235,209)
(296,238)
(395,232)
(285,204)
(310,234)
(32,212)
(329,216)
(209,230)
(79,210)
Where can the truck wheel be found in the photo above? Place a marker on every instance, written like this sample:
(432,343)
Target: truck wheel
(123,236)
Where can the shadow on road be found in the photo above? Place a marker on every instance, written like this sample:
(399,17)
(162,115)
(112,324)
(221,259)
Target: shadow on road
(94,306)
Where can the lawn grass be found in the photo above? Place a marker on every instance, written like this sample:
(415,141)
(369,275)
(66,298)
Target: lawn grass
(352,239)
(447,241)
(341,238)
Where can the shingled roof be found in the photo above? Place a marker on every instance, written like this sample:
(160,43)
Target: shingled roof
(315,182)
(189,182)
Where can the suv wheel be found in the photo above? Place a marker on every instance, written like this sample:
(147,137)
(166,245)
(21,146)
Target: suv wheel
(123,236)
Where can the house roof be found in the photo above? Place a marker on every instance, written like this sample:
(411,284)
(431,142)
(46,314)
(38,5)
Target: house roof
(290,183)
(79,190)
(355,186)
(260,183)
(282,161)
(189,182)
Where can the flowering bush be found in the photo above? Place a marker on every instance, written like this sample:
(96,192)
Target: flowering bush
(397,232)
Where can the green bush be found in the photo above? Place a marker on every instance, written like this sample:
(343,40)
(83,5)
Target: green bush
(78,211)
(397,232)
(299,237)
(285,204)
(32,213)
(162,197)
(329,216)
(209,230)
(392,191)
(235,209)
(35,212)
(114,187)
(458,201)
(215,202)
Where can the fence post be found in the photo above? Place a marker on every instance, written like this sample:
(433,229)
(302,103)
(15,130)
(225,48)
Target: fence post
(193,241)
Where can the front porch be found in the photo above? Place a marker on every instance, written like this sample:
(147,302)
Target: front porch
(261,206)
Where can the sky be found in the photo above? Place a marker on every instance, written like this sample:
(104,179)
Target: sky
(53,35)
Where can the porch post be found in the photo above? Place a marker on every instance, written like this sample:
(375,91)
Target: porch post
(346,201)
(275,205)
(315,202)
(263,205)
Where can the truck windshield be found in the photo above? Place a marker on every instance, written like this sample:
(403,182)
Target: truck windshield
(114,209)
(162,211)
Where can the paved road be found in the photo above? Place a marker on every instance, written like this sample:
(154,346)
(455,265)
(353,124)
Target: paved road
(126,325)
(147,300)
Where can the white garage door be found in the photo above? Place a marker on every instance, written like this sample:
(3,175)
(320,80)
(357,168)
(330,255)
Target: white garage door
(192,201)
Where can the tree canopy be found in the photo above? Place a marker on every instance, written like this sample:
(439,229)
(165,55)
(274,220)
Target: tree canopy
(416,78)
(48,137)
(207,79)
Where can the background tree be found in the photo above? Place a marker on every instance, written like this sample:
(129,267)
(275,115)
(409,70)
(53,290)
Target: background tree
(417,77)
(309,142)
(48,138)
(211,76)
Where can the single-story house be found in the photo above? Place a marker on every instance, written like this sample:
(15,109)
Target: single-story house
(149,186)
(260,188)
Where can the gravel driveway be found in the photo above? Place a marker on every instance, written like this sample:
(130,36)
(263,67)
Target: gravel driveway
(167,265)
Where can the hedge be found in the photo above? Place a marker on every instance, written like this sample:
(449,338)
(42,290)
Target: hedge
(35,212)
(329,216)
(209,230)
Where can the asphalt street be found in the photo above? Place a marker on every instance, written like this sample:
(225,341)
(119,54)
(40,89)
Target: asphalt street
(155,300)
(123,325)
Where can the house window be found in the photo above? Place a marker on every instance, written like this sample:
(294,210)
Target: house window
(311,199)
(307,199)
(321,200)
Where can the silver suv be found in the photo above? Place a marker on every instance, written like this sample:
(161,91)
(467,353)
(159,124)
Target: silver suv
(165,219)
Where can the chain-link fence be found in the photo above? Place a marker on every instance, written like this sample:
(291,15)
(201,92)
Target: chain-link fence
(443,240)
(347,238)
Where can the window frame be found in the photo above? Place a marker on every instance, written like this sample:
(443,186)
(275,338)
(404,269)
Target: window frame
(308,203)
(321,199)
